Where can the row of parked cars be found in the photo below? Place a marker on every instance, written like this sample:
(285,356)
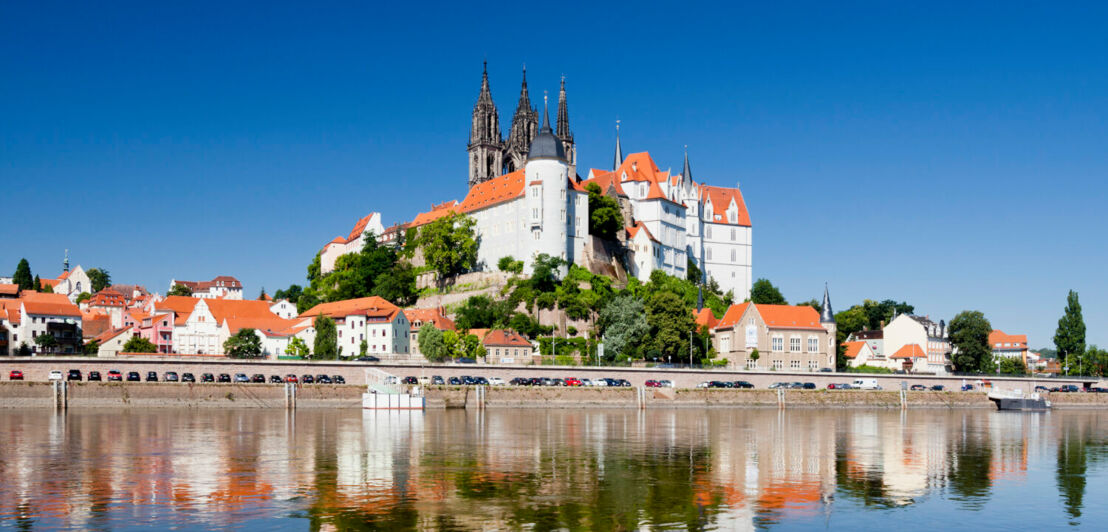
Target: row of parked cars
(172,376)
(466,380)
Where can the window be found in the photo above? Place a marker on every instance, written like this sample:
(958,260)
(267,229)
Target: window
(813,365)
(534,192)
(778,343)
(725,343)
(795,364)
(536,234)
(563,193)
(813,344)
(708,251)
(777,364)
(733,238)
(734,256)
(708,231)
(794,344)
(534,214)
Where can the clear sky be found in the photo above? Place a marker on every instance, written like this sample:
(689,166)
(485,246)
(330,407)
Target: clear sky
(952,155)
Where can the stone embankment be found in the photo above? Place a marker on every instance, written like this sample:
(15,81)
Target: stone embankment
(199,395)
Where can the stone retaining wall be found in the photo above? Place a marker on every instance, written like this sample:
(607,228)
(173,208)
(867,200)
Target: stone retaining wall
(199,395)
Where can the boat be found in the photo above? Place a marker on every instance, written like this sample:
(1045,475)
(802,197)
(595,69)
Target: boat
(1015,400)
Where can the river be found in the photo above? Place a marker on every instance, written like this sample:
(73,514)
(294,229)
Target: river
(725,469)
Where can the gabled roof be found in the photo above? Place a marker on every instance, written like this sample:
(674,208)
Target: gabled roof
(359,227)
(732,316)
(633,231)
(269,326)
(111,333)
(494,191)
(505,338)
(43,283)
(366,306)
(433,316)
(721,199)
(107,298)
(789,317)
(1015,341)
(49,305)
(436,212)
(9,289)
(705,318)
(910,351)
(249,309)
(853,348)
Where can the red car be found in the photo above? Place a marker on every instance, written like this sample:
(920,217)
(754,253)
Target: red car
(570,381)
(115,376)
(653,384)
(290,378)
(15,375)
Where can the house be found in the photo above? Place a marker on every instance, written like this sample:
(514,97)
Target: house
(1009,346)
(201,326)
(793,338)
(859,353)
(503,346)
(72,283)
(223,286)
(374,320)
(931,337)
(109,302)
(274,332)
(705,319)
(112,341)
(283,308)
(34,314)
(156,328)
(417,317)
(909,357)
(94,323)
(9,291)
(352,243)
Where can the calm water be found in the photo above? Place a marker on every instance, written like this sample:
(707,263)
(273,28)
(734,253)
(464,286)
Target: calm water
(539,469)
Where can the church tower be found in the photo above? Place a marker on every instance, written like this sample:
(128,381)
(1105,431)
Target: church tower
(525,125)
(486,147)
(563,133)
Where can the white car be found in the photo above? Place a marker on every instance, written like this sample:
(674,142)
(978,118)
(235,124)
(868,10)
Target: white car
(586,382)
(56,375)
(702,385)
(599,382)
(496,381)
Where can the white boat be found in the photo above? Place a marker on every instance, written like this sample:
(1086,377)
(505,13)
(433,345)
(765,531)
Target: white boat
(1016,400)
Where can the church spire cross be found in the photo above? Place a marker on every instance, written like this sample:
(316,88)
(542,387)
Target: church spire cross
(563,113)
(619,151)
(545,111)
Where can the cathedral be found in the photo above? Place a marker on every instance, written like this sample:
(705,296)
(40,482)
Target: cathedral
(490,155)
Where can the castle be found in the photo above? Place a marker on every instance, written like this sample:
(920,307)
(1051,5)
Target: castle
(527,199)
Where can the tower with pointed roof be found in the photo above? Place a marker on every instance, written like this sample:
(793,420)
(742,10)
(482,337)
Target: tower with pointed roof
(563,133)
(525,125)
(619,150)
(827,319)
(486,146)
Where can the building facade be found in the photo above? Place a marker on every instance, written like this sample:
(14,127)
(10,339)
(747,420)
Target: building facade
(787,338)
(222,287)
(930,336)
(352,243)
(1006,345)
(373,320)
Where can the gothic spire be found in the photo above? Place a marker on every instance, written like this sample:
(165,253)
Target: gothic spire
(545,113)
(486,94)
(686,172)
(619,151)
(826,315)
(524,97)
(563,113)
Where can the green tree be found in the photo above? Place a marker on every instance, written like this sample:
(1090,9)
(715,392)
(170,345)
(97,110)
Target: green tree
(46,342)
(99,278)
(307,300)
(812,303)
(138,344)
(545,272)
(92,347)
(292,294)
(482,312)
(326,339)
(1011,366)
(605,216)
(754,355)
(180,290)
(450,342)
(46,288)
(762,292)
(449,245)
(244,344)
(83,296)
(471,343)
(1095,361)
(397,285)
(298,348)
(23,277)
(510,265)
(24,350)
(363,348)
(969,336)
(1069,338)
(670,323)
(431,344)
(692,272)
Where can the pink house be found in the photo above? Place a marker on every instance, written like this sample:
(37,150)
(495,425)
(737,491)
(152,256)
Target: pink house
(158,329)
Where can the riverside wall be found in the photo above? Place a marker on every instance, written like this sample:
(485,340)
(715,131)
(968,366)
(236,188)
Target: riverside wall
(169,395)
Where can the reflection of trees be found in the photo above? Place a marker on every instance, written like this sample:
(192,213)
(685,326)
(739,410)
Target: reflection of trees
(1076,450)
(970,461)
(867,487)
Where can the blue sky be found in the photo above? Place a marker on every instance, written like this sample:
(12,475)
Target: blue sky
(945,154)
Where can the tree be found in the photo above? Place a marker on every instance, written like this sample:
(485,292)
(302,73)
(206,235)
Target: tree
(1069,338)
(764,293)
(969,336)
(397,285)
(481,312)
(1095,361)
(450,343)
(46,342)
(23,277)
(326,339)
(83,296)
(754,355)
(92,347)
(244,344)
(138,344)
(180,290)
(46,288)
(298,348)
(262,296)
(430,343)
(100,279)
(363,348)
(605,216)
(692,272)
(545,272)
(670,323)
(812,303)
(449,245)
(292,294)
(510,265)
(24,350)
(1012,366)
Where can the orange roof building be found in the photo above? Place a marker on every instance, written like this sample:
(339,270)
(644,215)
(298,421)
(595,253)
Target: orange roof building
(373,320)
(352,243)
(1008,345)
(786,337)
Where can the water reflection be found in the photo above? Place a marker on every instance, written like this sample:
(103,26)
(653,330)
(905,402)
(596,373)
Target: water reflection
(578,470)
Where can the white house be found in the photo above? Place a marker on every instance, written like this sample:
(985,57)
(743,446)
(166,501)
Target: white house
(222,287)
(860,353)
(929,336)
(111,342)
(373,320)
(34,314)
(283,308)
(352,243)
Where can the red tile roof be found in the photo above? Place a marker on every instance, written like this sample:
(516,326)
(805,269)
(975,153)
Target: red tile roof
(505,338)
(43,283)
(705,318)
(721,199)
(107,298)
(49,305)
(9,289)
(789,317)
(732,316)
(495,191)
(910,351)
(633,231)
(436,212)
(366,306)
(111,333)
(434,316)
(1015,341)
(853,348)
(204,286)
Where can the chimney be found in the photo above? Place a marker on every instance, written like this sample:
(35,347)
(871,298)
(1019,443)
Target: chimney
(882,324)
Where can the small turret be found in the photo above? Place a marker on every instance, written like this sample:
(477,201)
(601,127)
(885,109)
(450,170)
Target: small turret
(619,151)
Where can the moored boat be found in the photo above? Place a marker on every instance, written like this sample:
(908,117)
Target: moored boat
(1015,400)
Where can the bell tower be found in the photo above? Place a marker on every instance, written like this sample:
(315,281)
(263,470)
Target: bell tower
(486,147)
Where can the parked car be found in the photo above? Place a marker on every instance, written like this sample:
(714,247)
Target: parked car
(601,382)
(465,360)
(338,379)
(94,376)
(1069,388)
(1042,389)
(133,376)
(323,379)
(307,379)
(151,376)
(15,375)
(188,377)
(291,378)
(808,386)
(74,375)
(702,384)
(651,383)
(241,377)
(938,388)
(796,385)
(967,387)
(546,381)
(669,384)
(586,382)
(55,375)
(437,379)
(409,380)
(480,381)
(571,381)
(918,388)
(223,377)
(115,376)
(276,379)
(777,385)
(738,384)
(171,376)
(257,378)
(207,377)
(368,358)
(559,382)
(866,384)
(496,381)
(721,384)
(454,381)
